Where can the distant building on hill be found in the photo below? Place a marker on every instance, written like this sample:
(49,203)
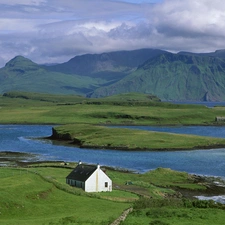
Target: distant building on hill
(90,178)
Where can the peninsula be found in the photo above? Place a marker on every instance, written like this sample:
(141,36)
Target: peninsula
(85,121)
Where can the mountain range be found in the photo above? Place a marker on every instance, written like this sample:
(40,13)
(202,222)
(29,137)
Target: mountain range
(183,76)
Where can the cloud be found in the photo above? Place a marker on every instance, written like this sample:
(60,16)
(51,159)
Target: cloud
(22,2)
(194,18)
(191,25)
(55,31)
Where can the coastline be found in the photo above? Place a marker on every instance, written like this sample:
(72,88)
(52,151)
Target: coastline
(10,158)
(215,186)
(101,137)
(67,140)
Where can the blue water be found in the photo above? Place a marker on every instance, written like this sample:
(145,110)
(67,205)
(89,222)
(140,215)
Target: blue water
(19,138)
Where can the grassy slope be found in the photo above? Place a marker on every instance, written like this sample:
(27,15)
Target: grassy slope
(156,211)
(21,74)
(39,195)
(178,216)
(174,77)
(27,199)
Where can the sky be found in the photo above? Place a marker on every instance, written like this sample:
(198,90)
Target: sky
(54,31)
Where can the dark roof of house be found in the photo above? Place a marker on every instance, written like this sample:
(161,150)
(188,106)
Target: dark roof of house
(82,172)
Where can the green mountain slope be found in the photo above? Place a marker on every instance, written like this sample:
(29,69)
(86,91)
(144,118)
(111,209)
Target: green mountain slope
(80,75)
(111,66)
(175,77)
(21,74)
(182,76)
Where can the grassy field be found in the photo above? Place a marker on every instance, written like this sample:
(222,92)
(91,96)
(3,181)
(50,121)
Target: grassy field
(39,195)
(27,198)
(136,110)
(147,184)
(106,114)
(78,113)
(90,136)
(175,216)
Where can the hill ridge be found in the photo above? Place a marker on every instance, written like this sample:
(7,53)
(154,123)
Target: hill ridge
(174,77)
(169,76)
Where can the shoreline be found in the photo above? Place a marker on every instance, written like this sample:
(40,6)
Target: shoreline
(215,185)
(67,140)
(99,137)
(77,143)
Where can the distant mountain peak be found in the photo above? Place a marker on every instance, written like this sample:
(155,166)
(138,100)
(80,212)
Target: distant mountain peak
(18,61)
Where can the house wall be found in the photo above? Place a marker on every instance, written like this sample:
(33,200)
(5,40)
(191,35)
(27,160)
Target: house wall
(96,182)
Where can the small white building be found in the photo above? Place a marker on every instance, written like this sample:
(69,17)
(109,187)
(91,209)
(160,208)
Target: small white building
(90,178)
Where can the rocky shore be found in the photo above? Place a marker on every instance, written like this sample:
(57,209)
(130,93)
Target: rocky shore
(215,186)
(8,158)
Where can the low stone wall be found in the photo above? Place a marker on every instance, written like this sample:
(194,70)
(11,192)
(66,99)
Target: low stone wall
(122,217)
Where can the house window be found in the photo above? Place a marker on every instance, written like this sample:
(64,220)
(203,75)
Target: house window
(106,184)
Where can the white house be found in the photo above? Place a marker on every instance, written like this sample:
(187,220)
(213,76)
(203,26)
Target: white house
(90,178)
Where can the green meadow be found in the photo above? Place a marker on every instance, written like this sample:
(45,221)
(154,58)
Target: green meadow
(28,198)
(38,195)
(134,109)
(164,215)
(78,115)
(92,136)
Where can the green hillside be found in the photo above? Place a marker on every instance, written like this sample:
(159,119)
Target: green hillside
(110,66)
(21,74)
(175,77)
(39,195)
(171,77)
(27,198)
(80,75)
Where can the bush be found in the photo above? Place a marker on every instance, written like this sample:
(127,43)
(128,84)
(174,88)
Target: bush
(202,204)
(144,203)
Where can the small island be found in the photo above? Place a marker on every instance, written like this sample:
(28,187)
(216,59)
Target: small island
(106,137)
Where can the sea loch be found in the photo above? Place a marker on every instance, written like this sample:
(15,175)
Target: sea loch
(22,138)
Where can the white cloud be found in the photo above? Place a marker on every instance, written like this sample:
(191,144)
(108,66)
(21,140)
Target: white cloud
(191,17)
(55,31)
(18,25)
(22,2)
